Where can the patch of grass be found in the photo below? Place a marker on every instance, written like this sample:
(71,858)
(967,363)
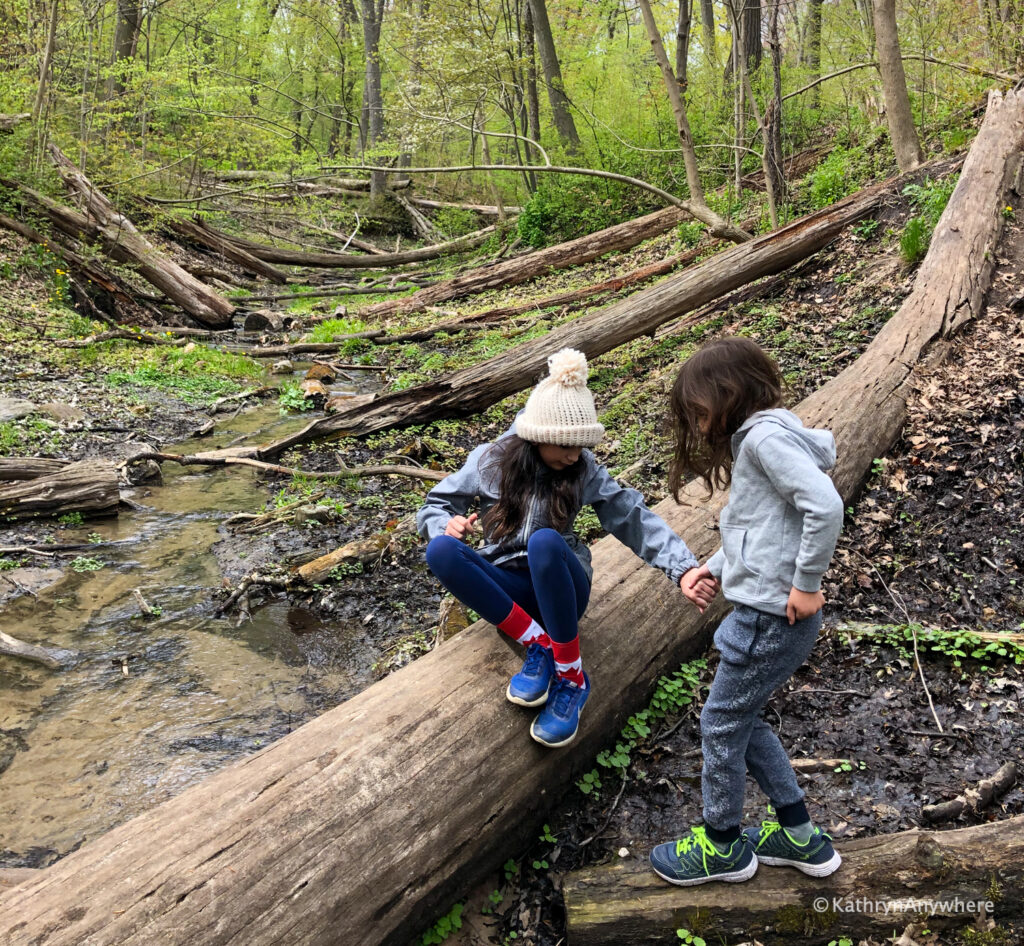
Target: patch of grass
(196,374)
(28,433)
(914,241)
(84,564)
(330,329)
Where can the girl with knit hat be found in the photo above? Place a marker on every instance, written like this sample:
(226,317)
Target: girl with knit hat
(531,576)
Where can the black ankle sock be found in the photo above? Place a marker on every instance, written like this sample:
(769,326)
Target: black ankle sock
(722,837)
(790,816)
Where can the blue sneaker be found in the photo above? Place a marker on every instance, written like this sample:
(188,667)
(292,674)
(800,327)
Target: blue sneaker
(695,860)
(530,686)
(557,723)
(774,846)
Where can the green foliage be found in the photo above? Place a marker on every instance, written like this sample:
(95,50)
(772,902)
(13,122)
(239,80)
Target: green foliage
(8,564)
(865,229)
(688,938)
(83,564)
(346,570)
(328,330)
(71,519)
(562,209)
(455,222)
(450,923)
(958,645)
(914,241)
(292,398)
(196,374)
(28,433)
(830,181)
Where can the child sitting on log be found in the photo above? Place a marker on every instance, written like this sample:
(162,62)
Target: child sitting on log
(779,531)
(531,577)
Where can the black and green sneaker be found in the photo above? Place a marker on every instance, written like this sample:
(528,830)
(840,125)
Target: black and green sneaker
(695,860)
(774,846)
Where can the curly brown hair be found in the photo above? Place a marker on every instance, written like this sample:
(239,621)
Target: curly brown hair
(522,475)
(716,390)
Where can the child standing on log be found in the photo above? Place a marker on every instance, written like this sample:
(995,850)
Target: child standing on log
(779,532)
(531,577)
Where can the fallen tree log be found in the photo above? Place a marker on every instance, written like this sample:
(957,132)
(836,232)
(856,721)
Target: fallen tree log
(28,468)
(9,122)
(273,254)
(103,223)
(195,231)
(973,799)
(12,647)
(487,210)
(88,486)
(364,824)
(364,551)
(622,236)
(904,877)
(474,389)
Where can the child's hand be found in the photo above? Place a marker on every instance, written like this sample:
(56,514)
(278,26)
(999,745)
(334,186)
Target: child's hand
(802,604)
(459,527)
(699,585)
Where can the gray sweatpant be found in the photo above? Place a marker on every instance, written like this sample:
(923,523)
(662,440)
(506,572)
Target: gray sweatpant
(760,652)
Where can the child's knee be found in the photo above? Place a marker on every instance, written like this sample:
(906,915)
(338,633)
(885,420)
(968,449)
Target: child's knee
(545,544)
(443,551)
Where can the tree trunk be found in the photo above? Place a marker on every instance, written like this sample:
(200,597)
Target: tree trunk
(364,824)
(511,272)
(675,97)
(105,224)
(683,24)
(746,41)
(44,66)
(894,87)
(532,97)
(373,96)
(810,54)
(474,389)
(88,486)
(126,38)
(628,903)
(707,25)
(564,123)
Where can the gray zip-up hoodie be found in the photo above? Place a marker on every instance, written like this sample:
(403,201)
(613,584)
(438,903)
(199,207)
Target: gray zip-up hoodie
(780,527)
(621,511)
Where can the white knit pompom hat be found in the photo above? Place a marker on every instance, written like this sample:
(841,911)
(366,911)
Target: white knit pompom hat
(560,409)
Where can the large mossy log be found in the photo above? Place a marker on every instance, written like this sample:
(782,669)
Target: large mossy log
(885,882)
(88,486)
(364,824)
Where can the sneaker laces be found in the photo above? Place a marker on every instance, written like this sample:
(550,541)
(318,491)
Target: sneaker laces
(535,656)
(564,693)
(697,839)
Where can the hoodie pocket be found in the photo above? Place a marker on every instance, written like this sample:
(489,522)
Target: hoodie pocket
(744,576)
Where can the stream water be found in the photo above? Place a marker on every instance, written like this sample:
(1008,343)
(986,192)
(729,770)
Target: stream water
(152,705)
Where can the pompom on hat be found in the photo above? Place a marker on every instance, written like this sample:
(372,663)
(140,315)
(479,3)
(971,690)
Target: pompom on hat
(560,409)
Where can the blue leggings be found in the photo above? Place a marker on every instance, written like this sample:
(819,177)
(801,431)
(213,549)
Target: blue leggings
(553,590)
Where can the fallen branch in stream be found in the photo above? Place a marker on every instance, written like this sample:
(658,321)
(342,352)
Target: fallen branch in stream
(144,338)
(12,647)
(224,458)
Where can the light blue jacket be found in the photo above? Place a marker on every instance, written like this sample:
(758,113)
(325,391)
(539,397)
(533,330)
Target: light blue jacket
(780,527)
(621,511)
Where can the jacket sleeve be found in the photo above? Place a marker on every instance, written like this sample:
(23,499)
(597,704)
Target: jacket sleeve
(453,496)
(717,563)
(800,481)
(623,513)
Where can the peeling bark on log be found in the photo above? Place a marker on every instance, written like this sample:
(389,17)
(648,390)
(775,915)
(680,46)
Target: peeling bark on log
(89,486)
(273,254)
(195,231)
(628,903)
(104,223)
(473,389)
(28,468)
(364,824)
(622,236)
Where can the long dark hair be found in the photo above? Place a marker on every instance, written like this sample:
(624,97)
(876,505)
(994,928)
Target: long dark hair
(523,474)
(722,384)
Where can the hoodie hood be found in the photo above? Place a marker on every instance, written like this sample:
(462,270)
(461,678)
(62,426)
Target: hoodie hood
(819,444)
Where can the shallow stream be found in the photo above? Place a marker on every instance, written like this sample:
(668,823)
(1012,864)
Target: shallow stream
(153,704)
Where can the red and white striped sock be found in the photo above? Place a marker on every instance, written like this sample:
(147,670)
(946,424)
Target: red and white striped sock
(568,664)
(523,629)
